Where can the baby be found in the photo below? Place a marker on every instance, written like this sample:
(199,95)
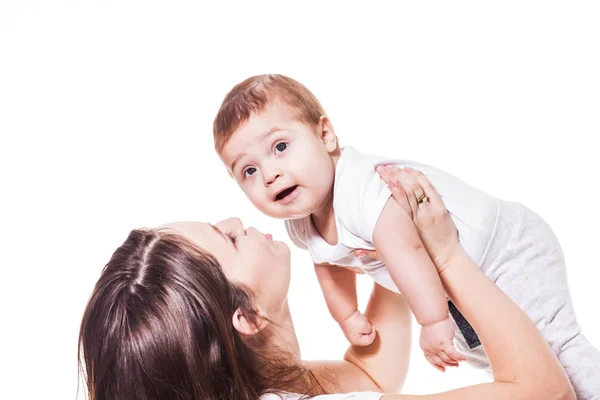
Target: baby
(277,142)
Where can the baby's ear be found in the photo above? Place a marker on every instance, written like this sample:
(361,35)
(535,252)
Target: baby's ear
(327,134)
(244,326)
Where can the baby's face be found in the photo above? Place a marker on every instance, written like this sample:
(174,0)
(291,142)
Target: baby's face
(285,167)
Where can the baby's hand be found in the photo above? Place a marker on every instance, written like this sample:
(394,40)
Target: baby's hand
(438,345)
(358,329)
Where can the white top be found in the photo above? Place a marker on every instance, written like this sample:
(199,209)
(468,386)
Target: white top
(347,396)
(359,196)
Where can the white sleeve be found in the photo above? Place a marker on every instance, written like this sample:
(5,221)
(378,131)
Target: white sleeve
(297,233)
(360,196)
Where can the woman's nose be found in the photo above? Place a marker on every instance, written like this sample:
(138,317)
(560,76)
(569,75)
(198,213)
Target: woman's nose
(234,225)
(253,231)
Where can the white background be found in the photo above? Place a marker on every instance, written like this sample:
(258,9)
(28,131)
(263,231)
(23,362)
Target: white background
(106,111)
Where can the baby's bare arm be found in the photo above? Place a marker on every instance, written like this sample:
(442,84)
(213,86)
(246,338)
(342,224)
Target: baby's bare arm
(339,289)
(382,366)
(399,246)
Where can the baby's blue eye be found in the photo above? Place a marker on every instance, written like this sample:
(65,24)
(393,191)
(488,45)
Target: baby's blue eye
(281,147)
(249,171)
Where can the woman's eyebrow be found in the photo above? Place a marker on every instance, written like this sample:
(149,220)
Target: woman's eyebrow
(217,230)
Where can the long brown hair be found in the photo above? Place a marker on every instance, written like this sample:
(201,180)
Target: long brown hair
(158,326)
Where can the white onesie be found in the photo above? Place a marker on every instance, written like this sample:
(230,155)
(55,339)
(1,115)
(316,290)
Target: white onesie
(512,245)
(359,196)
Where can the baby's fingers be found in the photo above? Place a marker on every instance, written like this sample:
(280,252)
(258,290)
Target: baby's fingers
(451,352)
(365,326)
(447,360)
(365,339)
(432,361)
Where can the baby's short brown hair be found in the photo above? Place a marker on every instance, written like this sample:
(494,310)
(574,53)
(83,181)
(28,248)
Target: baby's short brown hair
(254,95)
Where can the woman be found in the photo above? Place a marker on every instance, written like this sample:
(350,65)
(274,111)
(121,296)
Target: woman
(195,311)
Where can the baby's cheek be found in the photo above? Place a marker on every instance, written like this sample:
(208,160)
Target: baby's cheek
(256,198)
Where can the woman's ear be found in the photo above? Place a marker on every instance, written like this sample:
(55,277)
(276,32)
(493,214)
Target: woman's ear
(244,326)
(327,134)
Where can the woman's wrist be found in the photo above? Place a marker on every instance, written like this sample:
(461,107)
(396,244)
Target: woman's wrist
(457,272)
(452,255)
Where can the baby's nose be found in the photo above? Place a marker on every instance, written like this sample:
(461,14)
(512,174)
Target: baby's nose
(272,178)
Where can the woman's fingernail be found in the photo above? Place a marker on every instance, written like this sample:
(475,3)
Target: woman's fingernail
(407,169)
(389,167)
(394,182)
(361,254)
(379,168)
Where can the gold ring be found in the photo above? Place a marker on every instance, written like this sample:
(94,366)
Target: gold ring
(422,198)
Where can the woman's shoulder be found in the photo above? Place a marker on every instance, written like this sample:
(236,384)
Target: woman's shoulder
(346,396)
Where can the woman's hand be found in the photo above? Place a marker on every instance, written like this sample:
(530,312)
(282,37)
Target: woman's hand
(523,364)
(436,229)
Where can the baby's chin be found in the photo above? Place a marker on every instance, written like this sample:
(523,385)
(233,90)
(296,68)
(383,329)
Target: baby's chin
(287,214)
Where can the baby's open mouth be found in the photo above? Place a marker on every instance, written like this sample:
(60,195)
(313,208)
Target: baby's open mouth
(284,193)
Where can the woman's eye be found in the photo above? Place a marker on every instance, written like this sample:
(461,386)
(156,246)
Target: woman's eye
(281,147)
(231,236)
(250,171)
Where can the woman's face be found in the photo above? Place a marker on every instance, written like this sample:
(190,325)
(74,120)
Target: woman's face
(246,256)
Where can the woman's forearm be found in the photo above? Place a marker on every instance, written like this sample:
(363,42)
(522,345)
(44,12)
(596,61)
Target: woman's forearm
(524,367)
(518,354)
(386,359)
(517,351)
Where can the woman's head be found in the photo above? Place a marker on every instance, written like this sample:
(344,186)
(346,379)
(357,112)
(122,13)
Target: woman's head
(171,317)
(247,257)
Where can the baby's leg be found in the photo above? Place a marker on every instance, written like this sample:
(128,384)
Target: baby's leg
(528,265)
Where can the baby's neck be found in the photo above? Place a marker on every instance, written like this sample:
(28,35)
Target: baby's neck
(324,222)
